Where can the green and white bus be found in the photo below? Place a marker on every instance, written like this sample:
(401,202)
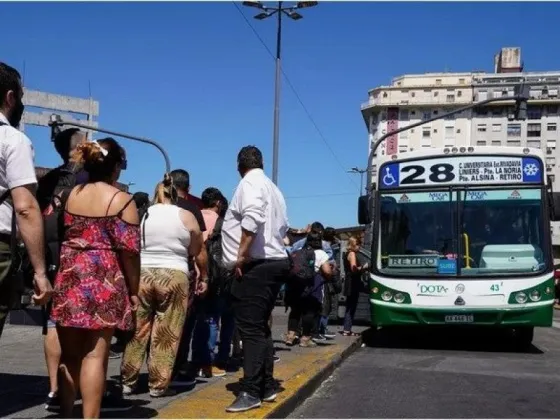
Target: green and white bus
(462,236)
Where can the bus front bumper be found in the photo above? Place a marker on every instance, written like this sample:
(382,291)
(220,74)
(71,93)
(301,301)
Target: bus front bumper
(539,314)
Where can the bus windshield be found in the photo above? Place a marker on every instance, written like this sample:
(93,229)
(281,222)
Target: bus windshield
(501,233)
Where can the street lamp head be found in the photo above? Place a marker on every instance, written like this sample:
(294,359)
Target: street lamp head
(256,4)
(305,4)
(262,15)
(294,15)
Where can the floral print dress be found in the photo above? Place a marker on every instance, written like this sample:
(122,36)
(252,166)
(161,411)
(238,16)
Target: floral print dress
(90,288)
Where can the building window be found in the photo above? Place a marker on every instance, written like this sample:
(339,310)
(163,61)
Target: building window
(514,130)
(404,114)
(551,178)
(551,144)
(425,133)
(533,130)
(496,143)
(449,132)
(438,82)
(552,109)
(427,115)
(482,95)
(534,112)
(459,93)
(481,128)
(513,143)
(551,161)
(383,116)
(551,127)
(461,81)
(436,112)
(385,94)
(481,142)
(436,93)
(450,98)
(403,135)
(496,128)
(412,94)
(497,112)
(403,149)
(536,144)
(458,131)
(481,112)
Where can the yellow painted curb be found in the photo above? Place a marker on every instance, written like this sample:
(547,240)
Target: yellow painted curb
(294,372)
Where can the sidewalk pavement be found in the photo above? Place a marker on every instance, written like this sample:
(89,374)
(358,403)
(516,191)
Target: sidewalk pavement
(24,382)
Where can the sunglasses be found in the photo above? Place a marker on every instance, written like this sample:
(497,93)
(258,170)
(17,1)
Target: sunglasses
(124,164)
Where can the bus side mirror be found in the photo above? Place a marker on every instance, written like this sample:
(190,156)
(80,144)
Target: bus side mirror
(365,209)
(555,216)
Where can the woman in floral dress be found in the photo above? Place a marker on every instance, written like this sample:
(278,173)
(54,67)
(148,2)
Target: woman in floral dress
(97,284)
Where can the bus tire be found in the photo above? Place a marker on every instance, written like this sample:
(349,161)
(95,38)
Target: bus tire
(523,337)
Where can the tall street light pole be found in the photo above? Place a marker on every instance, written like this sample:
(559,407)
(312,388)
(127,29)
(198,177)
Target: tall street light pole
(356,170)
(267,12)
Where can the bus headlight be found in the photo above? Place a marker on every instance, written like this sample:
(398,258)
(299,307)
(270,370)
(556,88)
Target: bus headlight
(521,297)
(386,296)
(535,295)
(399,298)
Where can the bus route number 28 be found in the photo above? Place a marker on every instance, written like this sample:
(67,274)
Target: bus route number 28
(440,172)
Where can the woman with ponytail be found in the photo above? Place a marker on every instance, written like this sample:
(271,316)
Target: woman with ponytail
(97,282)
(169,235)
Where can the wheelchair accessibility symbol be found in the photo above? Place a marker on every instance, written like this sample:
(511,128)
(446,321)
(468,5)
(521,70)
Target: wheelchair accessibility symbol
(388,178)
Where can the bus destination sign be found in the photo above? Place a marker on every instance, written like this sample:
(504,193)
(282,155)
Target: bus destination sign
(453,170)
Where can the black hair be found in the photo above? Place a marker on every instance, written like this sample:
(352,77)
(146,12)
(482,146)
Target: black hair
(224,207)
(314,240)
(100,159)
(329,234)
(181,180)
(317,226)
(249,157)
(141,199)
(210,197)
(66,141)
(10,79)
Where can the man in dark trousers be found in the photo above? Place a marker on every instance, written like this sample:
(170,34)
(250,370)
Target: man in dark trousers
(253,234)
(185,376)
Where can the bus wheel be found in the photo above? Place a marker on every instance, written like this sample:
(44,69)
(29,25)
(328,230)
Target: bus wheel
(523,337)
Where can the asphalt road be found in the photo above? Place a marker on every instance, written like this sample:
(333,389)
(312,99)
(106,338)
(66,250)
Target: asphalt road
(443,374)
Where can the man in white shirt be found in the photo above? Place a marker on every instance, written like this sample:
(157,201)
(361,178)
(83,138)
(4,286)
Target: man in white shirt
(17,188)
(253,243)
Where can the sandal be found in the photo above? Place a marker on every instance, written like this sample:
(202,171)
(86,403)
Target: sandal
(291,340)
(349,334)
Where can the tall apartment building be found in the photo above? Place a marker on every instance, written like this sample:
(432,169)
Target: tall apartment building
(412,98)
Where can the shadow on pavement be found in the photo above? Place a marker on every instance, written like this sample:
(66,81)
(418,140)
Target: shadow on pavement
(473,339)
(19,392)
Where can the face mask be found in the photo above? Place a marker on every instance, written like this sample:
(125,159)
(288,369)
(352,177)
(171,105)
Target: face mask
(17,113)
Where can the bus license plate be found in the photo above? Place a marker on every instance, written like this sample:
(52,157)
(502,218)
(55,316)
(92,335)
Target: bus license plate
(459,319)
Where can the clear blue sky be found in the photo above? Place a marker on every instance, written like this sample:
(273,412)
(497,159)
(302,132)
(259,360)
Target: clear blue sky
(195,77)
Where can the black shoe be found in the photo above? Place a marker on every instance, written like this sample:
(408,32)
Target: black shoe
(114,355)
(52,403)
(114,403)
(183,379)
(244,402)
(270,396)
(329,335)
(319,338)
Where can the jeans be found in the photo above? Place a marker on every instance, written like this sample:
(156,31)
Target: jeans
(215,311)
(323,323)
(253,298)
(351,306)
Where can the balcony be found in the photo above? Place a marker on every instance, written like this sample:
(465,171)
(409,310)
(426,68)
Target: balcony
(420,99)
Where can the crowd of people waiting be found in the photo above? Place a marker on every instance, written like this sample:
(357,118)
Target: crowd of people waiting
(160,274)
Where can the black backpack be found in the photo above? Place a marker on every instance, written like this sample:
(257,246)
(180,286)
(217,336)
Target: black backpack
(302,267)
(220,277)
